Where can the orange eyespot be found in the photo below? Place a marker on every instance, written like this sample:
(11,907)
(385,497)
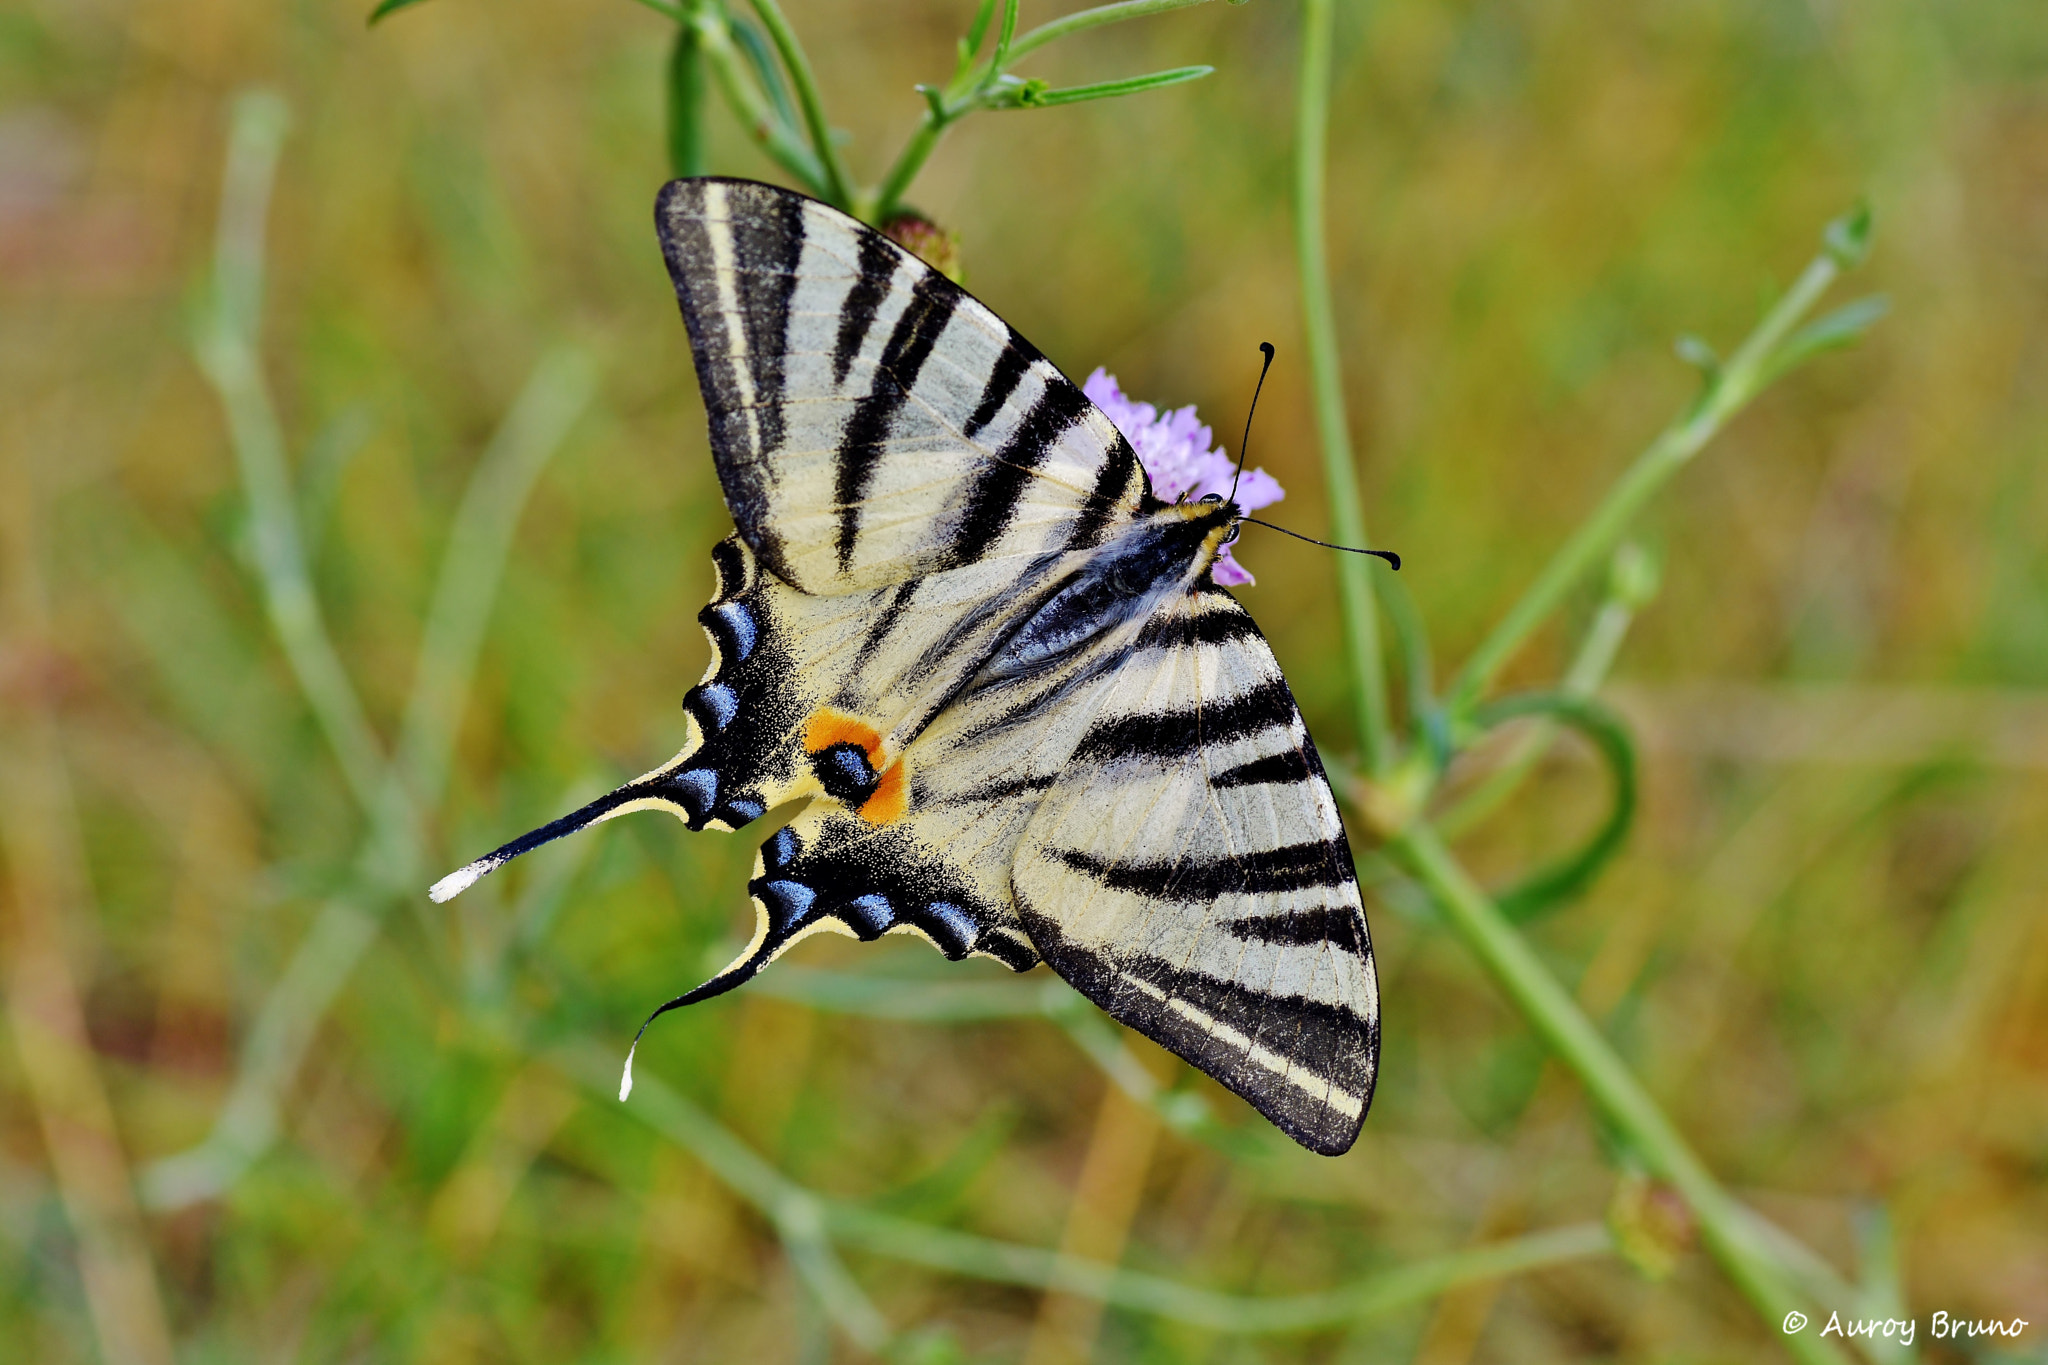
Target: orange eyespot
(891,796)
(828,727)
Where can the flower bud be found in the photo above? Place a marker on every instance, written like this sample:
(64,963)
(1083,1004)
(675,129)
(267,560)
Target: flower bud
(927,241)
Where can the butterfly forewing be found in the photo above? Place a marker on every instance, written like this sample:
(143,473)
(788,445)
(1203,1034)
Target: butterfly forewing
(871,421)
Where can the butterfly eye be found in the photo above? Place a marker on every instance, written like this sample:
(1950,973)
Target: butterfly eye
(1235,531)
(1212,497)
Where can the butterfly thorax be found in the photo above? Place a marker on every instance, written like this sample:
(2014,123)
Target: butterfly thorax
(1121,580)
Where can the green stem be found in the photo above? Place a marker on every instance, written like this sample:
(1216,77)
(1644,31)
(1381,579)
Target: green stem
(1746,373)
(1725,1225)
(751,107)
(1347,521)
(1006,33)
(1375,1296)
(811,1223)
(389,861)
(908,163)
(227,345)
(837,187)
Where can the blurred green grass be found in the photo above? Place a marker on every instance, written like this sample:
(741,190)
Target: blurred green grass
(1825,954)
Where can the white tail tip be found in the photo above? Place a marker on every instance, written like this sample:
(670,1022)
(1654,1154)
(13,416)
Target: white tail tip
(626,1080)
(456,882)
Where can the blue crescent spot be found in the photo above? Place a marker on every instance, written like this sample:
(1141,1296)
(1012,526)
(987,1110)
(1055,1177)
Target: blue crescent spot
(721,702)
(959,924)
(870,912)
(745,809)
(788,901)
(744,632)
(781,848)
(701,783)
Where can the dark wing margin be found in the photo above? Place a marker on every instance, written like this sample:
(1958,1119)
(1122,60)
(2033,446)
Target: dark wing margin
(1188,872)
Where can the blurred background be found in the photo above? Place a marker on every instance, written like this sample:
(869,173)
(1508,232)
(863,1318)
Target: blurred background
(261,1101)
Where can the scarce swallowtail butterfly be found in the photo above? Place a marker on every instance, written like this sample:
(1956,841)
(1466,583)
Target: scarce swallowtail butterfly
(1028,723)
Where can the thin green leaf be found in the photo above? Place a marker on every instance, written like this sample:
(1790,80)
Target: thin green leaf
(741,88)
(686,89)
(1068,25)
(1695,352)
(977,30)
(386,7)
(824,144)
(753,45)
(1843,327)
(1553,885)
(1005,36)
(1035,95)
(1880,1292)
(1848,238)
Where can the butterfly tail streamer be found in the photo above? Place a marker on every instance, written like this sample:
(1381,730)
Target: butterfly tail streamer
(740,971)
(653,791)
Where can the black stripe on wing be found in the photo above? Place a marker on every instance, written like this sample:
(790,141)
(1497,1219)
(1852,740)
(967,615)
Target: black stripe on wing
(768,243)
(933,301)
(742,379)
(1287,766)
(992,501)
(1302,927)
(1172,630)
(877,270)
(1178,734)
(1010,369)
(1197,878)
(1120,478)
(1306,1065)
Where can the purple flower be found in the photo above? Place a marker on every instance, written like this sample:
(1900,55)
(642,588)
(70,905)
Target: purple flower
(1175,450)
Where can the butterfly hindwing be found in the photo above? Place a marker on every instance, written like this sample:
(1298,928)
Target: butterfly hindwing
(1188,873)
(872,422)
(927,844)
(809,694)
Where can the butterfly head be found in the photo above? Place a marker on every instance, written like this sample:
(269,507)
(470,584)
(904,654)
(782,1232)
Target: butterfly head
(1236,514)
(1204,527)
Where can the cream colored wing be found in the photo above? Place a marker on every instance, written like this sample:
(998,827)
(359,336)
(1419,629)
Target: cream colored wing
(812,695)
(1189,874)
(871,421)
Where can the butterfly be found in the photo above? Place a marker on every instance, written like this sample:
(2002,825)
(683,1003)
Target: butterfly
(1028,723)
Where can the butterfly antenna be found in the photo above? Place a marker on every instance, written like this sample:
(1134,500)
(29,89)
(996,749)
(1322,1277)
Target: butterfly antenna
(1387,555)
(1244,447)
